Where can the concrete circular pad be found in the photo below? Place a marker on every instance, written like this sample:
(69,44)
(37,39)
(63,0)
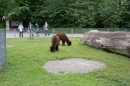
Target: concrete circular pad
(73,65)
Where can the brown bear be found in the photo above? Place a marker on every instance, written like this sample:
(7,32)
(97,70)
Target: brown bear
(55,43)
(64,39)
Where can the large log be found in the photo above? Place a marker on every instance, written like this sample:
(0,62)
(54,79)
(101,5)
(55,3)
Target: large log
(117,42)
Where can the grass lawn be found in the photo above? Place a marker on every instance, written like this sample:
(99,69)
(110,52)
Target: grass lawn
(25,59)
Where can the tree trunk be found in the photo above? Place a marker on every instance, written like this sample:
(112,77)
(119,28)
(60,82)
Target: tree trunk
(117,42)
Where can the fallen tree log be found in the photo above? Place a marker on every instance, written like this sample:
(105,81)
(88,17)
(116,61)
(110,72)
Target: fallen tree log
(117,42)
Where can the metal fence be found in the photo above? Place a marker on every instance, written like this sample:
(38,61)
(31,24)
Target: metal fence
(83,30)
(2,47)
(80,30)
(72,32)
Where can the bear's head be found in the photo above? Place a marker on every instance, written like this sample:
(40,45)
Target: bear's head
(69,43)
(52,49)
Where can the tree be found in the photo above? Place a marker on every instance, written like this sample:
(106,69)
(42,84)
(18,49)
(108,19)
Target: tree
(125,7)
(6,7)
(109,14)
(69,13)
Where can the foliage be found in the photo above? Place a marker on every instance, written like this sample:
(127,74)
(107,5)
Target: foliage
(69,13)
(125,6)
(110,14)
(25,59)
(6,6)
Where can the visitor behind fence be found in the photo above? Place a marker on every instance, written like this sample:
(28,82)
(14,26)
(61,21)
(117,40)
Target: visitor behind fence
(20,27)
(37,29)
(46,27)
(31,28)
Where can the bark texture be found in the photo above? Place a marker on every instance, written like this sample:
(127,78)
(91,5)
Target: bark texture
(117,42)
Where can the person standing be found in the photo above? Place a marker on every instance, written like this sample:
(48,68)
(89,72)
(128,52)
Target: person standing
(46,27)
(37,29)
(20,27)
(31,28)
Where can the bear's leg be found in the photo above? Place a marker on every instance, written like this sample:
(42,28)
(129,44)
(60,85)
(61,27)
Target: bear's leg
(63,42)
(57,47)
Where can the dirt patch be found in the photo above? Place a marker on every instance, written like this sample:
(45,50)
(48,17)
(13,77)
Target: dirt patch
(73,65)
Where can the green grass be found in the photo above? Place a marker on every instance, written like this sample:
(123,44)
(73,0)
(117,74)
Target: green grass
(25,59)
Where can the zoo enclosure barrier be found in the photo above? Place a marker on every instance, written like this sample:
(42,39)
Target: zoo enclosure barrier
(2,47)
(81,30)
(73,31)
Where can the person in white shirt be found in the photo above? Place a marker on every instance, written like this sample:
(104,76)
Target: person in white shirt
(20,27)
(46,27)
(37,29)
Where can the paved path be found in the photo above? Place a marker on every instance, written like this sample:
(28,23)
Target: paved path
(15,34)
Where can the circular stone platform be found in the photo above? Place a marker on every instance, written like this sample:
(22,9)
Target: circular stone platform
(73,65)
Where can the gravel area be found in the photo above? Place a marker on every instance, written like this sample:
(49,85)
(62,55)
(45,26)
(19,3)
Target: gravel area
(73,65)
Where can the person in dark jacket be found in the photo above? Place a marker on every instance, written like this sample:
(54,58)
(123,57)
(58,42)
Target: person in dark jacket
(31,28)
